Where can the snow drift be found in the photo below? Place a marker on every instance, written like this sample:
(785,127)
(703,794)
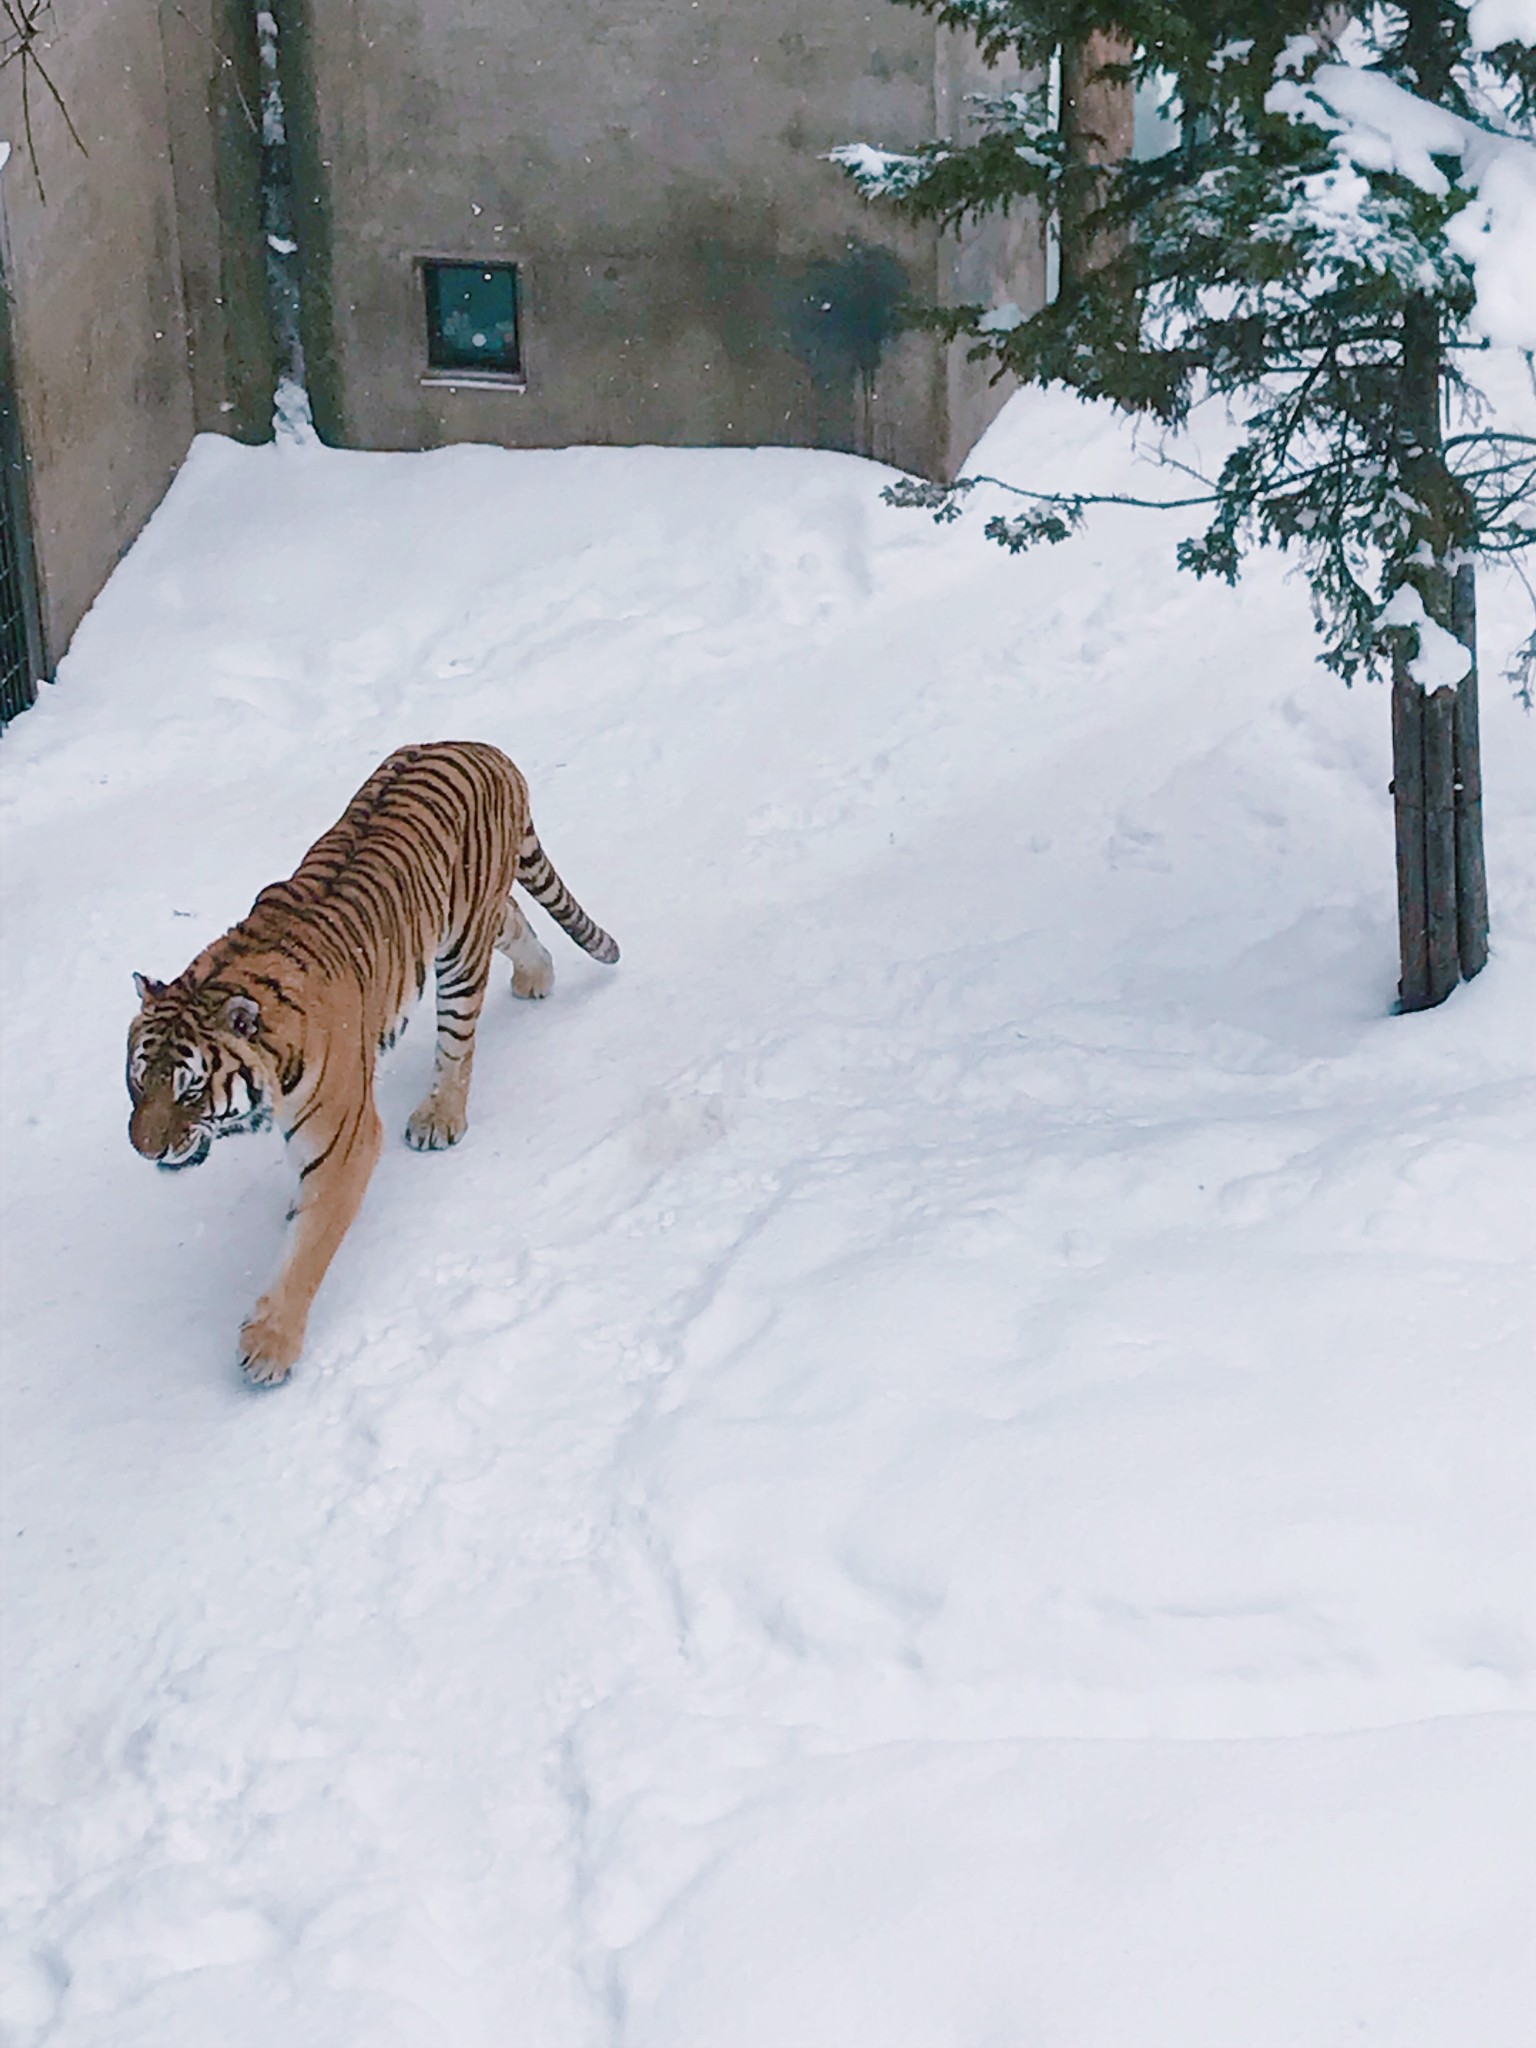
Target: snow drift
(948,1463)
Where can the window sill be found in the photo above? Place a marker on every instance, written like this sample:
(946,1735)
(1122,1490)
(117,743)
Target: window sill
(475,380)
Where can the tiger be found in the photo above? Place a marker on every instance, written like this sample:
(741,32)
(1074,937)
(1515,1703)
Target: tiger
(284,1018)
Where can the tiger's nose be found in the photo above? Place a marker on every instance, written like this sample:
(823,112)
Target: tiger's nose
(148,1132)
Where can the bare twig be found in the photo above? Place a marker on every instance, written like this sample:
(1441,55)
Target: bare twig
(226,63)
(21,38)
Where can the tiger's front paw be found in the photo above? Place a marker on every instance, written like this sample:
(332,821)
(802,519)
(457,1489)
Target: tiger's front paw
(269,1347)
(433,1128)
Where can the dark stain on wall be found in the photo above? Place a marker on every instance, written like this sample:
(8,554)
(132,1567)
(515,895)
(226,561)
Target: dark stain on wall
(845,311)
(830,317)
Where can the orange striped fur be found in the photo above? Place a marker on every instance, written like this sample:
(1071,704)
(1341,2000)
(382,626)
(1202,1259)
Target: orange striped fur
(284,1017)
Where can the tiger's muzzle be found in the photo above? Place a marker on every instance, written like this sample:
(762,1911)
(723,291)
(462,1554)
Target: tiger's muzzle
(155,1136)
(195,1149)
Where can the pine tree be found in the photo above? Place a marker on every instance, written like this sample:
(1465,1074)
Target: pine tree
(1308,249)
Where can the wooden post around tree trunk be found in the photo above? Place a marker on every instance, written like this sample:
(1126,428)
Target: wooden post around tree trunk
(1424,799)
(1408,816)
(1425,730)
(1471,869)
(1442,959)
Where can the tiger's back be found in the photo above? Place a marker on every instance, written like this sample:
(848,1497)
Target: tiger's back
(425,855)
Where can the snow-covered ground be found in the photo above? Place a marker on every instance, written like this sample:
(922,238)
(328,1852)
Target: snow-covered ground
(949,1465)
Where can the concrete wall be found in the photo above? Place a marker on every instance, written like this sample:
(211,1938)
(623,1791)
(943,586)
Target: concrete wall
(97,319)
(692,270)
(1000,258)
(213,111)
(98,284)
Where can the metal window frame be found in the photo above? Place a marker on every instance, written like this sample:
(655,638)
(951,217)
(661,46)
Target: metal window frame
(489,380)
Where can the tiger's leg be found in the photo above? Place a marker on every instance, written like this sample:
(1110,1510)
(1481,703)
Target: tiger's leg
(337,1155)
(533,972)
(463,971)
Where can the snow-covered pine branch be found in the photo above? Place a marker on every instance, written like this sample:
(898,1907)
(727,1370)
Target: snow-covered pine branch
(1346,214)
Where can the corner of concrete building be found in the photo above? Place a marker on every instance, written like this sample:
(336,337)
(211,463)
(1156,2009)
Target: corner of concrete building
(98,321)
(311,168)
(213,121)
(1004,261)
(991,262)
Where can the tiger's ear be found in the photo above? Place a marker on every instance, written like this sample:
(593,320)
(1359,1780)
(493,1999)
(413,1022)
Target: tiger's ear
(147,987)
(242,1016)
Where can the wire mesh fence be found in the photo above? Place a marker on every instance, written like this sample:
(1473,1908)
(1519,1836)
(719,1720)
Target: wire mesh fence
(22,659)
(18,682)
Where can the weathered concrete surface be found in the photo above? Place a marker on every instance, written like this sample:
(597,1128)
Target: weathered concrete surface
(97,316)
(213,110)
(692,269)
(1001,258)
(124,267)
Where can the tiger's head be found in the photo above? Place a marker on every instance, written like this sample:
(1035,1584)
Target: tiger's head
(196,1070)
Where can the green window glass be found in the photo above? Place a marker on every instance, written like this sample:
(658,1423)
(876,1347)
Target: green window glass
(472,317)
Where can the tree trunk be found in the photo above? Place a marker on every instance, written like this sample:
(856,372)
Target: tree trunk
(1098,126)
(1432,735)
(1408,815)
(1441,921)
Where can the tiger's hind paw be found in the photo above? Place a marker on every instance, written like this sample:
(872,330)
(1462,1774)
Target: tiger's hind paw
(532,984)
(432,1129)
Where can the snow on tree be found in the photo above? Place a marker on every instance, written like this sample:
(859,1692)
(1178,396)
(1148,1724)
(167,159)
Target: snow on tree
(1348,213)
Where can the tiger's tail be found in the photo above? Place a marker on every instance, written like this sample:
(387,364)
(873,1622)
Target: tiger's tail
(536,873)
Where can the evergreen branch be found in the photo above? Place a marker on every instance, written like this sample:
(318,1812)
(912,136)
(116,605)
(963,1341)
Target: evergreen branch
(1487,437)
(1167,461)
(1030,529)
(1086,498)
(1520,672)
(1319,289)
(943,500)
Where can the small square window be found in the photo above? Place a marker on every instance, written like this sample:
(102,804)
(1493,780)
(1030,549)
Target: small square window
(472,317)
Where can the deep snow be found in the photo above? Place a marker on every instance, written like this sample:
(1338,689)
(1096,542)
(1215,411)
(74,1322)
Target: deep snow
(949,1463)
